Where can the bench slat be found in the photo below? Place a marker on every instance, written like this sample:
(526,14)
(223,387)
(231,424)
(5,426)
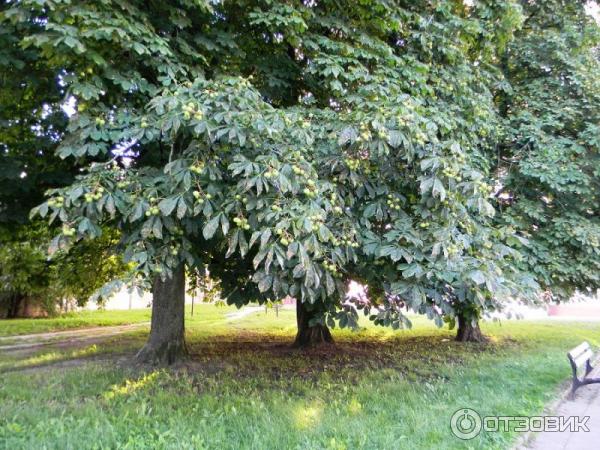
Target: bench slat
(581,359)
(579,350)
(580,355)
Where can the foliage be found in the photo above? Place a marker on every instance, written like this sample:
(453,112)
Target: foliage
(27,272)
(549,161)
(293,147)
(32,124)
(33,117)
(199,282)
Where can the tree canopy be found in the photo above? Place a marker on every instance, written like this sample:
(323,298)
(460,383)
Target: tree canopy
(294,146)
(33,118)
(548,160)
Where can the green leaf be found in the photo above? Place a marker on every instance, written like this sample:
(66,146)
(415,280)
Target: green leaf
(438,189)
(210,228)
(224,224)
(264,237)
(167,205)
(477,276)
(181,208)
(265,283)
(157,228)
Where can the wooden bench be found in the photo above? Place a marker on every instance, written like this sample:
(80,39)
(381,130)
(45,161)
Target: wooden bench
(580,357)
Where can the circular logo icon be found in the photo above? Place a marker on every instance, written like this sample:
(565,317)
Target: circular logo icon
(465,424)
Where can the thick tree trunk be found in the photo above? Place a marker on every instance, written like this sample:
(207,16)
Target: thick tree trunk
(468,330)
(166,343)
(309,336)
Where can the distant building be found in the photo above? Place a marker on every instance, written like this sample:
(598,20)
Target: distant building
(580,307)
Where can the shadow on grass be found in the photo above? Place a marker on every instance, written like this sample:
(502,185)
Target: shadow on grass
(69,353)
(249,354)
(261,345)
(246,353)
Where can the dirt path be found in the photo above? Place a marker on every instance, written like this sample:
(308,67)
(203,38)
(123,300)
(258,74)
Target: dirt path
(248,310)
(245,311)
(23,342)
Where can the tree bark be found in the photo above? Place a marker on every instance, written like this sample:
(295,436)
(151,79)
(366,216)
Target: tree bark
(166,343)
(310,336)
(15,303)
(468,330)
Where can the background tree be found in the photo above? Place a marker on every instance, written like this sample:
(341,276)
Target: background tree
(549,162)
(29,277)
(33,118)
(423,200)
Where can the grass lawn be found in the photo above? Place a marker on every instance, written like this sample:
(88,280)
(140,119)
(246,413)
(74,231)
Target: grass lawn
(87,319)
(244,388)
(70,321)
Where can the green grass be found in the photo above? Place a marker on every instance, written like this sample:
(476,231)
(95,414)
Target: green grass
(88,319)
(70,321)
(244,388)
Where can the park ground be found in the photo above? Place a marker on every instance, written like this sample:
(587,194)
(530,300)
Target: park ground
(244,387)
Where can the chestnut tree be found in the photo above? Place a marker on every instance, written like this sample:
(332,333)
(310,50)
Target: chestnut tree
(289,147)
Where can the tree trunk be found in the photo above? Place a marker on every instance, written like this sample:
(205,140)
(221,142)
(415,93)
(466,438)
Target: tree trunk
(468,330)
(166,343)
(309,336)
(15,303)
